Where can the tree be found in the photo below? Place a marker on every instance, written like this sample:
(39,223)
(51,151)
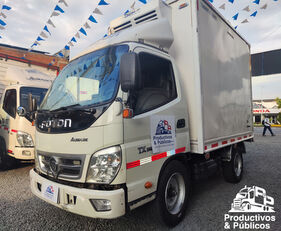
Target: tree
(278,101)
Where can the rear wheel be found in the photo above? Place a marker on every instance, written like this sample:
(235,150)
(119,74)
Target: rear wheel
(173,193)
(233,170)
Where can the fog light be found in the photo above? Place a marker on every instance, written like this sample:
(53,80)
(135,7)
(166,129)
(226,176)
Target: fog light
(101,205)
(26,153)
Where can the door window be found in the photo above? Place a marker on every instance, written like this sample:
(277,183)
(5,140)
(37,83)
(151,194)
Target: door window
(10,102)
(158,84)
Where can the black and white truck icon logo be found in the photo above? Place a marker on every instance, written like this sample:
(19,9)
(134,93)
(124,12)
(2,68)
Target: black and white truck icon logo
(252,199)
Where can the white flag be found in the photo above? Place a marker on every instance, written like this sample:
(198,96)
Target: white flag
(64,2)
(87,26)
(43,35)
(247,8)
(97,11)
(2,28)
(51,23)
(133,6)
(264,6)
(3,15)
(77,35)
(70,44)
(222,6)
(245,21)
(55,14)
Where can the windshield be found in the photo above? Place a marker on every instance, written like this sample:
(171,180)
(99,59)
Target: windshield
(37,93)
(92,79)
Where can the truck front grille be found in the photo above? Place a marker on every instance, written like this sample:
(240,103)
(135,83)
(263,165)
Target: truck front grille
(61,166)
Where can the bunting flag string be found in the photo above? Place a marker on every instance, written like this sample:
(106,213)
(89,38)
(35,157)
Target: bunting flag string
(56,12)
(251,9)
(3,17)
(87,25)
(83,30)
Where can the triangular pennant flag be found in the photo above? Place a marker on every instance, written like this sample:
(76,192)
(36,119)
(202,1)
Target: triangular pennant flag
(235,27)
(63,1)
(43,35)
(2,28)
(105,35)
(36,43)
(5,7)
(77,35)
(257,2)
(83,31)
(73,40)
(67,47)
(3,15)
(60,54)
(2,23)
(211,1)
(70,44)
(39,39)
(97,11)
(133,6)
(86,25)
(102,3)
(222,6)
(235,16)
(254,14)
(143,1)
(264,7)
(245,21)
(92,19)
(127,11)
(46,29)
(55,14)
(57,8)
(247,8)
(51,23)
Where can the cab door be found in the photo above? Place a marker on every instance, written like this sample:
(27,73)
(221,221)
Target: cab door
(159,126)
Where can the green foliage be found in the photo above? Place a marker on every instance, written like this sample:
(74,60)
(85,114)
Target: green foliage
(278,101)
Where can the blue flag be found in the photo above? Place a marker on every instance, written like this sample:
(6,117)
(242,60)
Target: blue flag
(257,2)
(235,16)
(73,40)
(254,14)
(102,3)
(59,9)
(92,19)
(61,54)
(83,31)
(46,29)
(127,11)
(5,7)
(211,1)
(231,1)
(143,1)
(39,39)
(2,23)
(67,47)
(235,27)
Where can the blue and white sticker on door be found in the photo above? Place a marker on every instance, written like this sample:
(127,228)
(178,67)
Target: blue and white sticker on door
(162,131)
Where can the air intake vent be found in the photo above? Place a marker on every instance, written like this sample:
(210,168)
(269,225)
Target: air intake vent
(152,15)
(122,26)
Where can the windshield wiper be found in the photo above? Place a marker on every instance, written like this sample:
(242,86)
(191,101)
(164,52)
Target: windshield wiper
(65,108)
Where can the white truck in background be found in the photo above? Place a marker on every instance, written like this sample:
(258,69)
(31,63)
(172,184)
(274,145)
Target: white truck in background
(19,84)
(164,98)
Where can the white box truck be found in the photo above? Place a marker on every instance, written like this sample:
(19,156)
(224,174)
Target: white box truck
(165,98)
(18,85)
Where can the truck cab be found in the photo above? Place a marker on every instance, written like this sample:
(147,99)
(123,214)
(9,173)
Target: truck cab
(17,120)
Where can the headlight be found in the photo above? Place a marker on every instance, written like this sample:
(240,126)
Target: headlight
(104,165)
(24,139)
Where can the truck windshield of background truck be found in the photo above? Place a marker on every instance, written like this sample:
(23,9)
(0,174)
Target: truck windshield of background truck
(92,79)
(37,93)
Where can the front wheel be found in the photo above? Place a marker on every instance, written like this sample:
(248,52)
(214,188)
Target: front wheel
(233,170)
(173,193)
(6,162)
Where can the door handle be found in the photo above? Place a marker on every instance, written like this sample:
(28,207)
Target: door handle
(181,123)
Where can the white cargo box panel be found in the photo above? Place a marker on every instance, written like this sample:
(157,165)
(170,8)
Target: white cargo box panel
(214,65)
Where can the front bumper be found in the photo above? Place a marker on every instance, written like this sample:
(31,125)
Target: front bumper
(22,153)
(82,205)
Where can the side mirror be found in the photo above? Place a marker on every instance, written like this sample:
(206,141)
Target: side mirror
(21,111)
(130,72)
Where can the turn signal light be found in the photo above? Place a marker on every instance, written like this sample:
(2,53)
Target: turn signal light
(148,185)
(127,113)
(33,123)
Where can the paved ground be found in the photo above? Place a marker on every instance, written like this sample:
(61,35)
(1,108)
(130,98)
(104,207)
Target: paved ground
(211,199)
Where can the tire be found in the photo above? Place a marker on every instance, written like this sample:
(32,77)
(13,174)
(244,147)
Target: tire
(172,194)
(233,170)
(6,162)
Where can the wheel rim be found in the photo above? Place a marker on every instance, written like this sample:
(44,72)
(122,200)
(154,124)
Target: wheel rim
(238,164)
(175,193)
